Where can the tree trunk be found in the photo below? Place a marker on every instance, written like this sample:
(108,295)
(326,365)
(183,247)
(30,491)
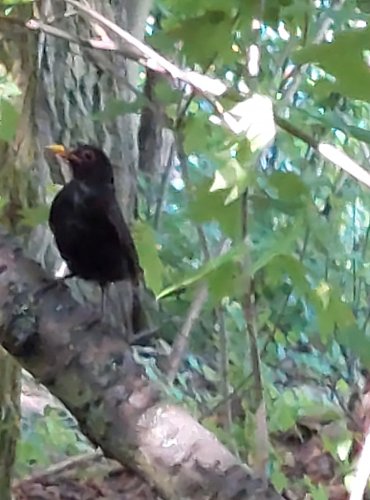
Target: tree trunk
(9,421)
(62,86)
(73,84)
(16,188)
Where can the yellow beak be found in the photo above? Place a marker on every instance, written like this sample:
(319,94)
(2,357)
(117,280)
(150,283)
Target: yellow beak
(58,149)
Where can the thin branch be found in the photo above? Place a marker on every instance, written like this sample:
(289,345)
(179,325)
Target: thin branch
(329,152)
(163,187)
(224,375)
(250,313)
(70,463)
(149,57)
(182,338)
(92,43)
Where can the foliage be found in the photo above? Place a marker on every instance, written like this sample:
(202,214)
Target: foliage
(47,438)
(260,216)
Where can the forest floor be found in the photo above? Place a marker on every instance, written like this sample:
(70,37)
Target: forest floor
(87,476)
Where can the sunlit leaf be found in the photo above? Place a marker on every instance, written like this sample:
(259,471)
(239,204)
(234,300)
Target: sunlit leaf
(253,118)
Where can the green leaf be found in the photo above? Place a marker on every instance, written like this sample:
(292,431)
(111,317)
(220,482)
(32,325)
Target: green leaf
(231,176)
(278,245)
(279,480)
(226,281)
(197,130)
(206,206)
(288,265)
(253,118)
(205,37)
(9,118)
(343,58)
(165,93)
(34,216)
(235,254)
(288,185)
(145,242)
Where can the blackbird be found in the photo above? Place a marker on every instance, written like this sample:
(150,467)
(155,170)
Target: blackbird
(85,218)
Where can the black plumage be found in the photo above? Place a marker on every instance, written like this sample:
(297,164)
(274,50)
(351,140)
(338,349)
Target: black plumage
(85,218)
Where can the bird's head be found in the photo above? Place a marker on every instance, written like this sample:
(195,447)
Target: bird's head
(89,164)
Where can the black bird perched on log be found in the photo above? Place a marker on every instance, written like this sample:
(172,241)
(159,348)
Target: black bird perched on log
(86,220)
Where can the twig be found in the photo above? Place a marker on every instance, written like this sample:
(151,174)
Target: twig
(331,153)
(238,391)
(148,56)
(182,338)
(92,43)
(249,305)
(224,371)
(163,187)
(262,440)
(69,463)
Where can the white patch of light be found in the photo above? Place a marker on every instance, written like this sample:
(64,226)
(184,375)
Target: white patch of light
(215,120)
(254,60)
(340,135)
(357,23)
(329,35)
(193,159)
(271,34)
(243,87)
(178,183)
(150,21)
(283,33)
(256,24)
(61,271)
(229,76)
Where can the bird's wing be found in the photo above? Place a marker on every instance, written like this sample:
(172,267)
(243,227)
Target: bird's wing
(116,219)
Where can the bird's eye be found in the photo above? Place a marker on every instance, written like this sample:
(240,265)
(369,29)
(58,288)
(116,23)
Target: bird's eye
(88,155)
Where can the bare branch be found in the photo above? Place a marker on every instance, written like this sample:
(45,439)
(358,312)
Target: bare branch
(181,341)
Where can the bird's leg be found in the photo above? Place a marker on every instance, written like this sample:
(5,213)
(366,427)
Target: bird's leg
(104,290)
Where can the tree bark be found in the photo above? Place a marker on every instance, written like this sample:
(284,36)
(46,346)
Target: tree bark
(16,187)
(73,84)
(62,86)
(9,426)
(88,366)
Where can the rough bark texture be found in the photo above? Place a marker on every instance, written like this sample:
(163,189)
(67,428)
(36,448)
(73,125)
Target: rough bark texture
(88,366)
(9,426)
(73,84)
(61,88)
(17,189)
